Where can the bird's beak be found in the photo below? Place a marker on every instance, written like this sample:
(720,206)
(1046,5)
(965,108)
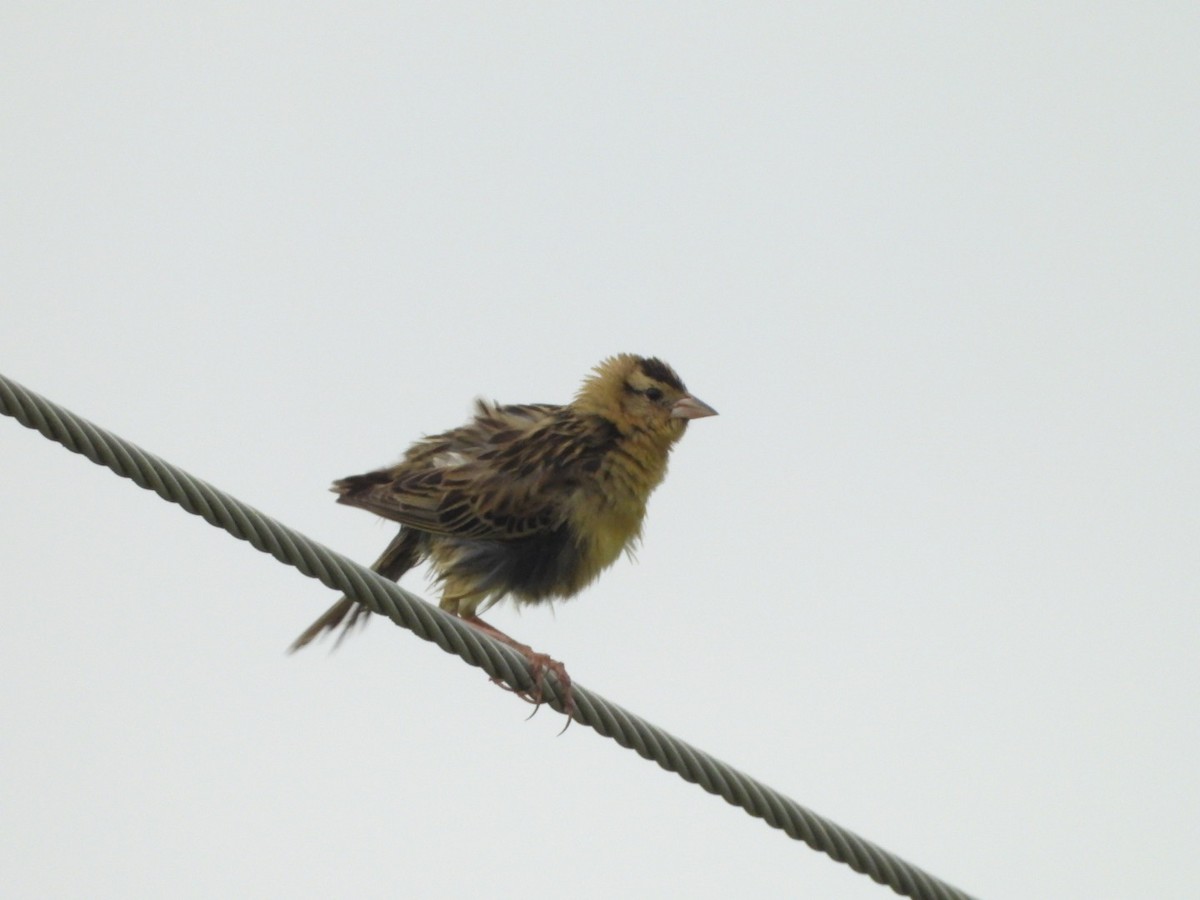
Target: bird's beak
(688,407)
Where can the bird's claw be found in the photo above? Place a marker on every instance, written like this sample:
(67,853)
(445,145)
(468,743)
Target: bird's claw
(542,663)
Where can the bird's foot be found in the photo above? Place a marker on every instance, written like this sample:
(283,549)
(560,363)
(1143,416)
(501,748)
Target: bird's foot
(540,663)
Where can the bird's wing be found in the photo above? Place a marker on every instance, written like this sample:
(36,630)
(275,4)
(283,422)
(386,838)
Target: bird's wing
(509,474)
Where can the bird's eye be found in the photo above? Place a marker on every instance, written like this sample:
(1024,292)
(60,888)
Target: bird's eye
(653,394)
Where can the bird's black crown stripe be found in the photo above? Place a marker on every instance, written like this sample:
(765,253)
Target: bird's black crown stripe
(662,373)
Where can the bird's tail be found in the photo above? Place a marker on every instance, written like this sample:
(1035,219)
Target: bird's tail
(401,554)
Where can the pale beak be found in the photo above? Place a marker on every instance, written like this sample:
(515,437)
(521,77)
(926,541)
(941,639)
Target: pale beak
(688,407)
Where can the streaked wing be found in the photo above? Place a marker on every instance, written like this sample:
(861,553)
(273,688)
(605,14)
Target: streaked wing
(505,476)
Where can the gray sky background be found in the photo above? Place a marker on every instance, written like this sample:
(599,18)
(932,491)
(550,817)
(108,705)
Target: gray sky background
(933,572)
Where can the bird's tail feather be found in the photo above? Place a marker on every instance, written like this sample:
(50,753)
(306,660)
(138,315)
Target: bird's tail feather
(401,554)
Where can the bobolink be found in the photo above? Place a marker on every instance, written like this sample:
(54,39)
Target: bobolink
(528,501)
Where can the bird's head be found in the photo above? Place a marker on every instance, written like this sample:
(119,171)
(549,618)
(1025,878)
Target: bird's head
(640,394)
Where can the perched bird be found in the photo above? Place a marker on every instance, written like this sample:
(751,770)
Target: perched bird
(529,502)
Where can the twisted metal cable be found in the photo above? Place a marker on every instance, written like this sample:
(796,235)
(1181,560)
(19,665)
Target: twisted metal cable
(454,636)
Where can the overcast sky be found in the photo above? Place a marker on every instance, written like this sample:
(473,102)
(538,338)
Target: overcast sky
(933,572)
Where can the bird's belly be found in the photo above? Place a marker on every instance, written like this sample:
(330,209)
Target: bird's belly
(558,563)
(529,569)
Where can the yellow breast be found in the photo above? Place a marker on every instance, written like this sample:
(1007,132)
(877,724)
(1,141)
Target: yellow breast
(609,518)
(617,529)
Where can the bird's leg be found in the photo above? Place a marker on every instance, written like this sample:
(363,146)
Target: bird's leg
(540,662)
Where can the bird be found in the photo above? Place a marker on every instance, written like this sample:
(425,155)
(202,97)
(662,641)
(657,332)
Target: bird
(529,502)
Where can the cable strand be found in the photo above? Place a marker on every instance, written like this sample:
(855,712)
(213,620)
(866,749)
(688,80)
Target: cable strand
(455,636)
